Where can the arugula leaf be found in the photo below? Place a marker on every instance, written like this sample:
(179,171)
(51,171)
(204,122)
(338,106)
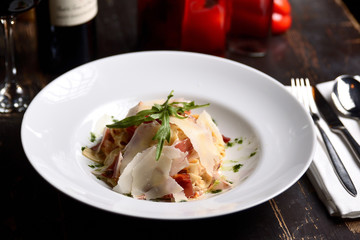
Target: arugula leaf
(163,133)
(162,113)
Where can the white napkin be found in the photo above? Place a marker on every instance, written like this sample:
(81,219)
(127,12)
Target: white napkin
(336,199)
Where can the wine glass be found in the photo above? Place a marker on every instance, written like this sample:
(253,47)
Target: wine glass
(14,97)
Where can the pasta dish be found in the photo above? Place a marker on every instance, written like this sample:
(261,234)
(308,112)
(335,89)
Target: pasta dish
(166,155)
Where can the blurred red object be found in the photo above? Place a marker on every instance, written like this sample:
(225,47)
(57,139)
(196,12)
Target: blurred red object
(189,25)
(281,17)
(251,18)
(250,27)
(159,24)
(205,25)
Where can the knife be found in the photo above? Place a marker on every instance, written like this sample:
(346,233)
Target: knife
(335,124)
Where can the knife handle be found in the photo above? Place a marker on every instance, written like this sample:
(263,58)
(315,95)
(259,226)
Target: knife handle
(339,167)
(355,147)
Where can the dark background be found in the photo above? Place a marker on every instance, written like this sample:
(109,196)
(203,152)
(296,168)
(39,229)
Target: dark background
(321,44)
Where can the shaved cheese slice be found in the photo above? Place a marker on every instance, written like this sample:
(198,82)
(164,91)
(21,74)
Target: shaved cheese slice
(143,106)
(202,141)
(206,121)
(151,178)
(168,186)
(142,139)
(180,196)
(144,176)
(178,164)
(124,185)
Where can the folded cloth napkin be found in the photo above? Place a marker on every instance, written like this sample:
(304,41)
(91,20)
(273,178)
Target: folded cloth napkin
(336,199)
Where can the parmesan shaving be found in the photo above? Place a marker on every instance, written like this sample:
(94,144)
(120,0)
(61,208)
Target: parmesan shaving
(144,176)
(202,141)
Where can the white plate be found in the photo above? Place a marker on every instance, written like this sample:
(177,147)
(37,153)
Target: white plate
(244,103)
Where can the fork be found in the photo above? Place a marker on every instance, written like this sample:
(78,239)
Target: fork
(303,91)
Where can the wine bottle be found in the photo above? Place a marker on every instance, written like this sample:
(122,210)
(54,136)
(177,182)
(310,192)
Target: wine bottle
(66,33)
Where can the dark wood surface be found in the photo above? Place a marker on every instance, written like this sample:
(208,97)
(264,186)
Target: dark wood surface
(323,42)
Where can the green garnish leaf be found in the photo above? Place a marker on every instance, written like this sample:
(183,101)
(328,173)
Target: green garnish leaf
(237,167)
(216,191)
(162,113)
(95,165)
(92,137)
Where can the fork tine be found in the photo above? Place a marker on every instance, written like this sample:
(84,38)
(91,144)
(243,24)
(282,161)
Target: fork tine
(304,93)
(299,89)
(293,87)
(295,90)
(302,90)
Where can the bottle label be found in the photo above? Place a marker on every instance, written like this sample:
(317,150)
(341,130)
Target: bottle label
(66,13)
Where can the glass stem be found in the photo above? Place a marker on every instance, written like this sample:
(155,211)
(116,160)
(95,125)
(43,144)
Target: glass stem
(10,67)
(13,97)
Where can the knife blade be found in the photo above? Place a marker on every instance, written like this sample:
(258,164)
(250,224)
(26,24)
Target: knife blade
(335,124)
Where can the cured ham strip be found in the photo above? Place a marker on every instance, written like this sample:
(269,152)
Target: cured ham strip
(110,172)
(184,180)
(202,141)
(98,152)
(112,165)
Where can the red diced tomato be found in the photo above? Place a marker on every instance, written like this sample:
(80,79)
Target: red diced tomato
(226,139)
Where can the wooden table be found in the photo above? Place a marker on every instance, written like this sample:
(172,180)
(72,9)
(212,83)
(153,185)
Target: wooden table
(323,42)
